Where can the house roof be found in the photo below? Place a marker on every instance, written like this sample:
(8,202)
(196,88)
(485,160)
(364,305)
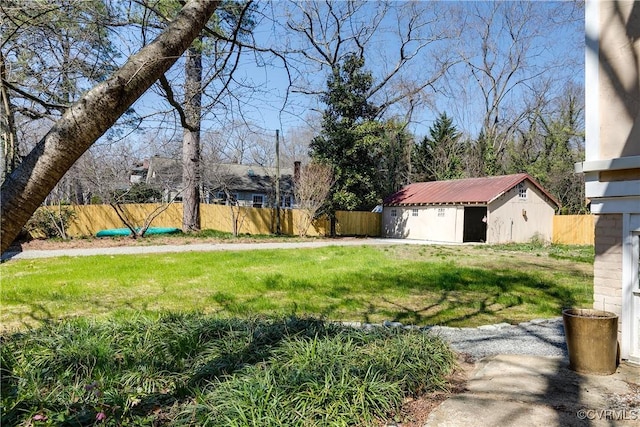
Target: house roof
(461,191)
(247,177)
(167,172)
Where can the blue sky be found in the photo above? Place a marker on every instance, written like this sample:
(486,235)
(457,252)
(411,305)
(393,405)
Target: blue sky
(562,46)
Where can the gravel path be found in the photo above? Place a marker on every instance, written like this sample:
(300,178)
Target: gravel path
(207,247)
(539,337)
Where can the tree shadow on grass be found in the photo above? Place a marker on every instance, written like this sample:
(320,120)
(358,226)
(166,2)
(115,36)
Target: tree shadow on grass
(462,294)
(420,293)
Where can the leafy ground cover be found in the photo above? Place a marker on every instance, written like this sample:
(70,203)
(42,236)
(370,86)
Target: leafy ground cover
(186,369)
(450,285)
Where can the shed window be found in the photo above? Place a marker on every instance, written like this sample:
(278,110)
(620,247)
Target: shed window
(414,212)
(522,191)
(394,213)
(440,211)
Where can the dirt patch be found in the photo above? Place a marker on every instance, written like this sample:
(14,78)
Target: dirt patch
(154,240)
(52,244)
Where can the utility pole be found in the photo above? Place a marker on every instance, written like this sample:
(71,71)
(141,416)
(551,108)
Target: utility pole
(278,229)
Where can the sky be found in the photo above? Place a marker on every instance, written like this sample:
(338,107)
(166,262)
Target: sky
(556,47)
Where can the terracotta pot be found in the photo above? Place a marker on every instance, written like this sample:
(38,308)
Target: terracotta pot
(592,340)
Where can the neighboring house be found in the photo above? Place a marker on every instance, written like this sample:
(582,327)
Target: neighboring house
(612,161)
(510,208)
(139,172)
(241,185)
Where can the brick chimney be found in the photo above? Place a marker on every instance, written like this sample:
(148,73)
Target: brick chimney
(296,170)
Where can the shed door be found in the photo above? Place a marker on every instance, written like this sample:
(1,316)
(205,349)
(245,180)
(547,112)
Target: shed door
(475,224)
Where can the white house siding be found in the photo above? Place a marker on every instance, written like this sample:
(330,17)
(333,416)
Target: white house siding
(512,219)
(442,223)
(612,161)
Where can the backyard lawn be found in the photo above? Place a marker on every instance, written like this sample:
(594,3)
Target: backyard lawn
(422,285)
(247,338)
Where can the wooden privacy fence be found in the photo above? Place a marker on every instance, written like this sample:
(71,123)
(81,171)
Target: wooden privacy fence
(89,219)
(573,229)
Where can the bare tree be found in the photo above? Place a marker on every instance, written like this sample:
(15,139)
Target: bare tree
(220,178)
(50,52)
(233,142)
(327,32)
(295,144)
(108,173)
(119,204)
(8,132)
(505,64)
(549,143)
(311,189)
(89,118)
(215,45)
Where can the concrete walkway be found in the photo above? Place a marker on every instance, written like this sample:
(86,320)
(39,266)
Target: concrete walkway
(517,390)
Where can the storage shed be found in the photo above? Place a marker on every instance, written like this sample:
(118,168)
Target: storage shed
(497,209)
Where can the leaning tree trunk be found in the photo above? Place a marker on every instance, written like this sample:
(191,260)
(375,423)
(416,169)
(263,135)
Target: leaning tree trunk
(96,111)
(191,141)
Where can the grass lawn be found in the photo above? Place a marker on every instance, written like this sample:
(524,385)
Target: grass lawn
(450,285)
(240,338)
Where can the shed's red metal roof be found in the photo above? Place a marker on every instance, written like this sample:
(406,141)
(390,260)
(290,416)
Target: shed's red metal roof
(461,191)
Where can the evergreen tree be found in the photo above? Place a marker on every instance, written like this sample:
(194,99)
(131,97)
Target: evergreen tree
(343,143)
(439,155)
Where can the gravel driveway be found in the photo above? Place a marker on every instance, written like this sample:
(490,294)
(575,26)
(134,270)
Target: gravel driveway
(539,337)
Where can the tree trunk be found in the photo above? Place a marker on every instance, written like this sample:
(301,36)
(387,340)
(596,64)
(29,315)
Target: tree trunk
(96,111)
(191,141)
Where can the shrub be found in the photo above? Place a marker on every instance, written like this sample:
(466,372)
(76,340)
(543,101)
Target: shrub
(187,369)
(50,222)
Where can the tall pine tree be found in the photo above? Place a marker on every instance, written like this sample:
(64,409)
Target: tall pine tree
(347,141)
(438,156)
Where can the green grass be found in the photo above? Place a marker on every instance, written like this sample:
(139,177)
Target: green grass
(457,285)
(197,370)
(233,338)
(576,253)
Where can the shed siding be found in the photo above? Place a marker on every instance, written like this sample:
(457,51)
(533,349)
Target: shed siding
(439,223)
(512,219)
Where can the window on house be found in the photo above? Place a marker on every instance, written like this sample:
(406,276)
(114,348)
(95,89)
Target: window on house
(286,202)
(232,200)
(522,191)
(258,200)
(414,212)
(440,211)
(394,213)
